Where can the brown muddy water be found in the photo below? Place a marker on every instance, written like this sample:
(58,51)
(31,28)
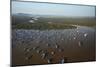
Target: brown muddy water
(35,47)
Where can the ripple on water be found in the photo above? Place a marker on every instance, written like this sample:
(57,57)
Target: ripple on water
(55,38)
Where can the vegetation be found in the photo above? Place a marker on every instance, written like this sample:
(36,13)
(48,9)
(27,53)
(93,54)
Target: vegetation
(21,21)
(42,26)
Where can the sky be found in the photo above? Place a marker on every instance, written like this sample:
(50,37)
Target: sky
(53,9)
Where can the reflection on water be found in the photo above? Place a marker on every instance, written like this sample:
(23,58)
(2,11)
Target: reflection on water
(53,46)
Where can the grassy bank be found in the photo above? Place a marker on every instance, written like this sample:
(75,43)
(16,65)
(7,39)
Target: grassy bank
(42,26)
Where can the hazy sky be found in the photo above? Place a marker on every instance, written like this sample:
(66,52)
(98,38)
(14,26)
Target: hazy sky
(52,9)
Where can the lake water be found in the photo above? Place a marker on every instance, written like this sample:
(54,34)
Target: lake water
(53,46)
